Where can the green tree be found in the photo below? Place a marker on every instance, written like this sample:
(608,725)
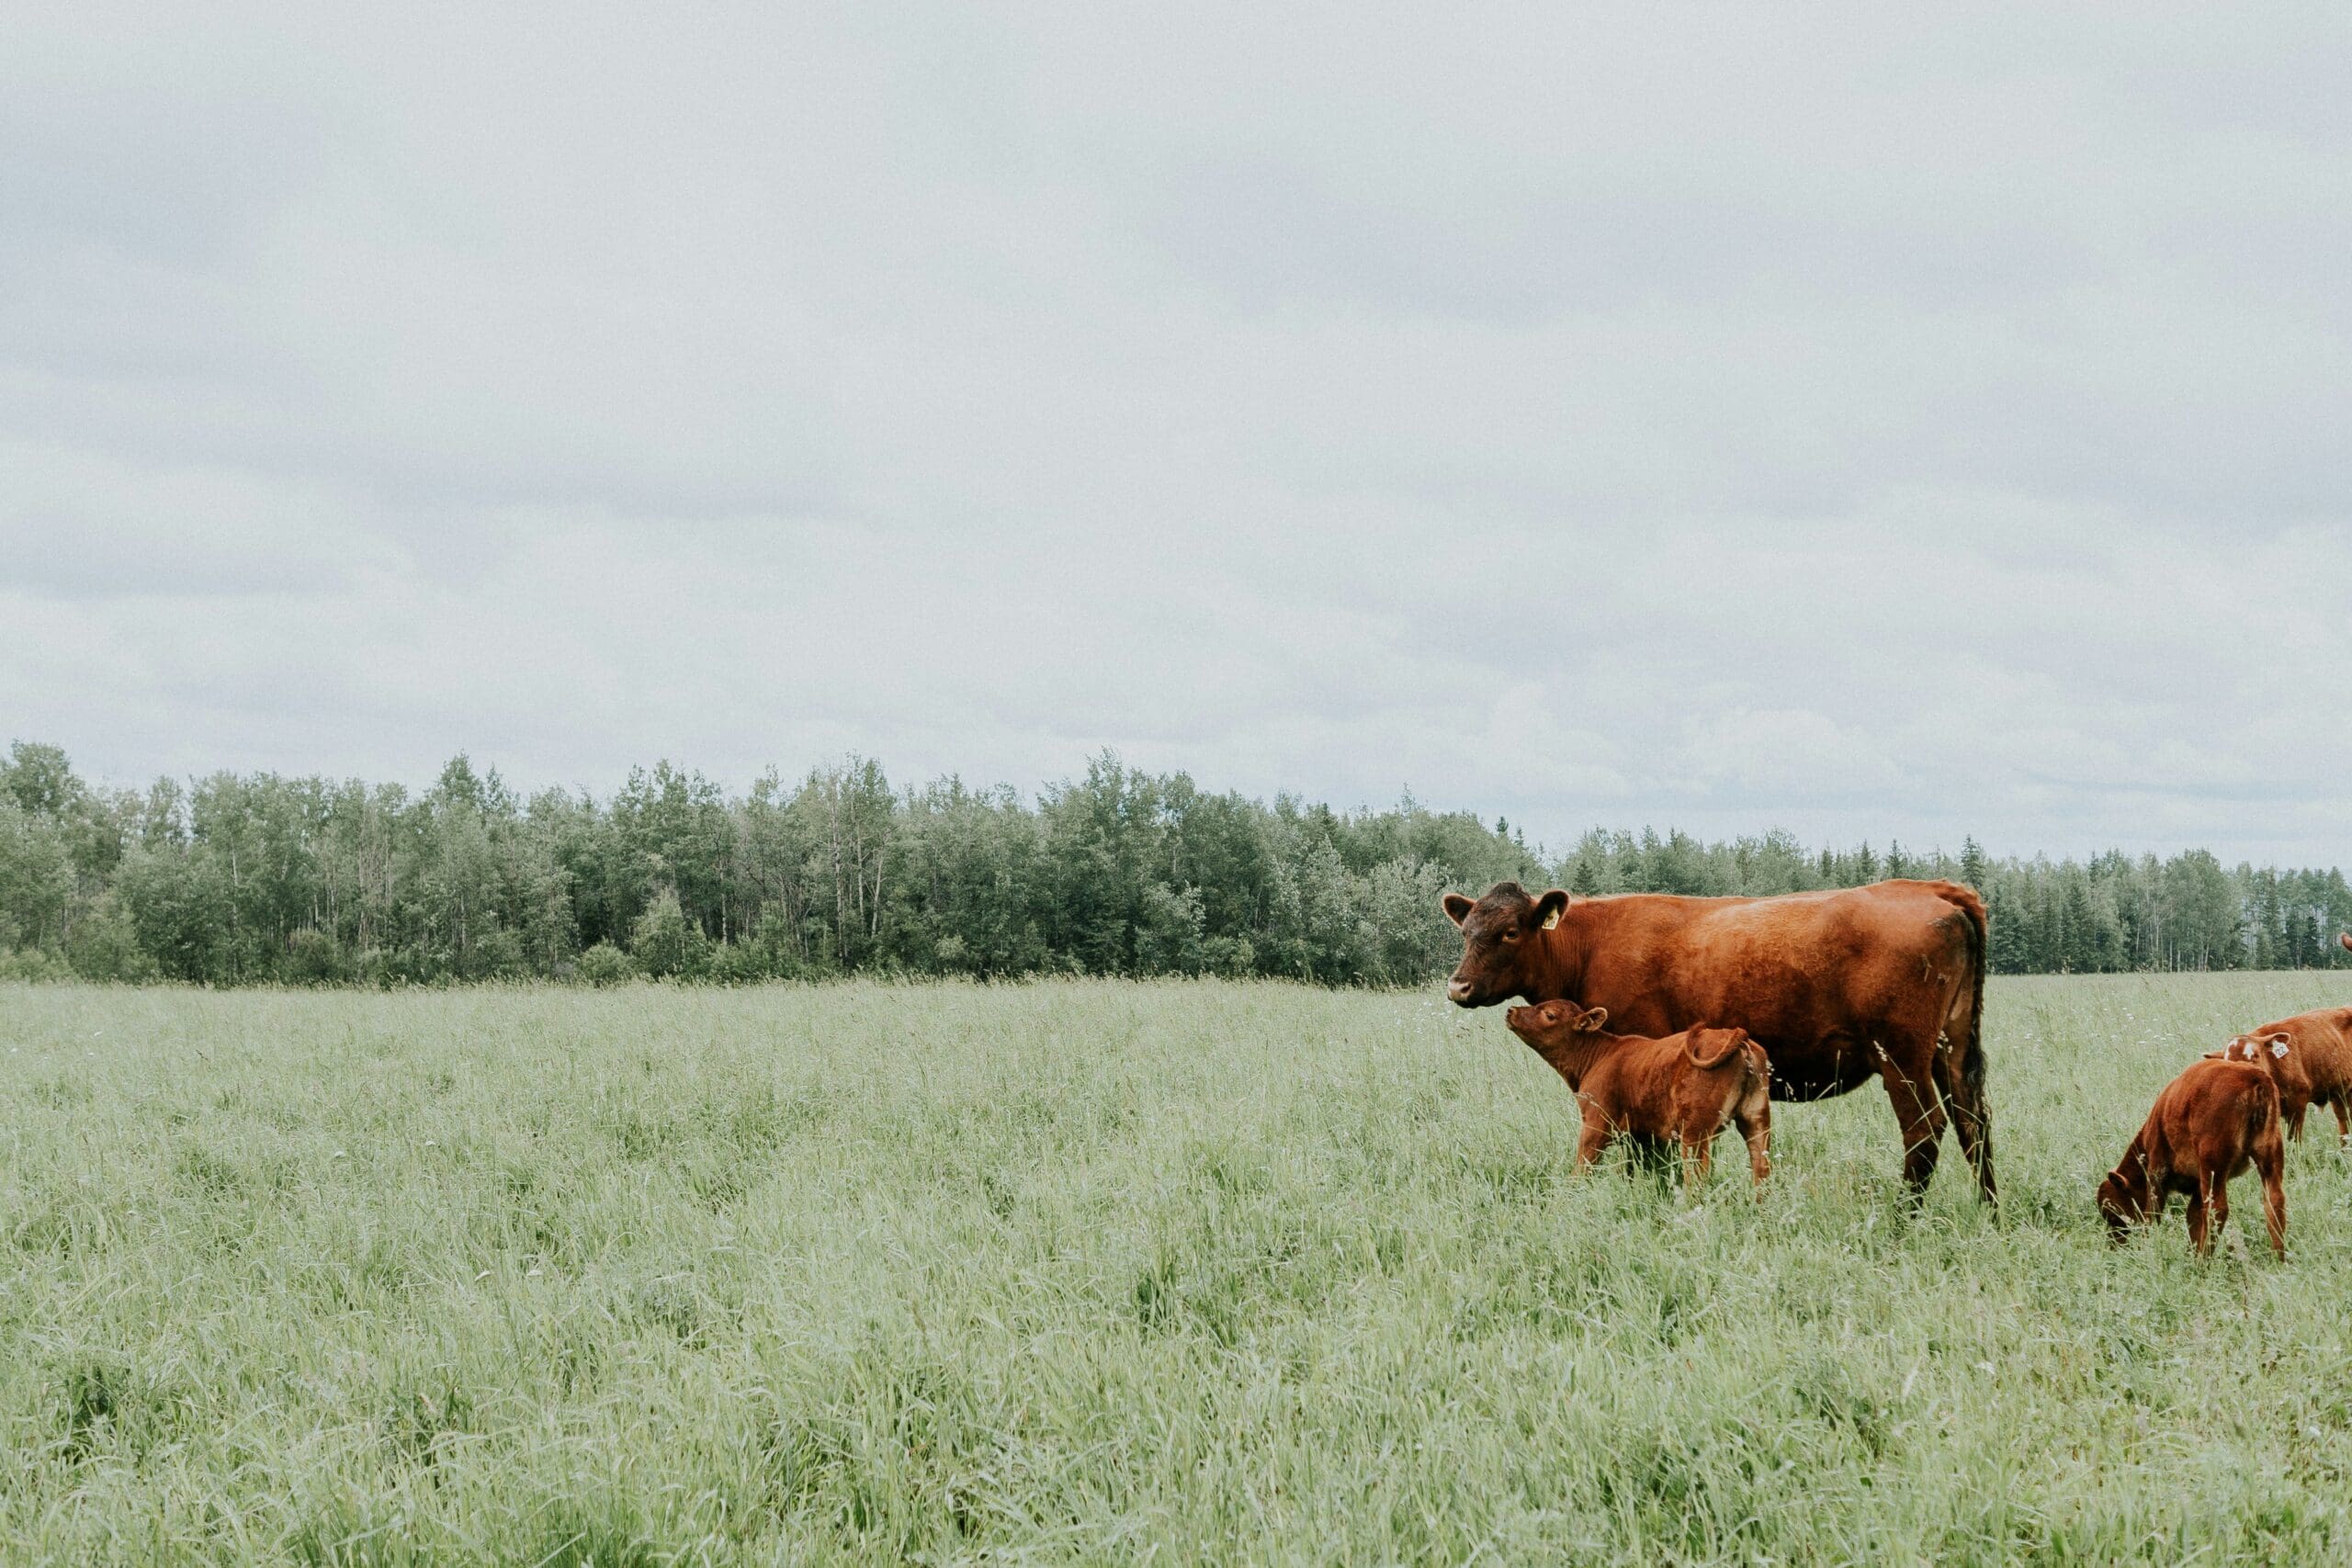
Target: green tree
(666,944)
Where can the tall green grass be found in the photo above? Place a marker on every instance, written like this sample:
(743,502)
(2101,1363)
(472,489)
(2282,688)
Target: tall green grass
(1105,1272)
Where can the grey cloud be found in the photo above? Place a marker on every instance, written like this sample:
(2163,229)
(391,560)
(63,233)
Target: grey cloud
(1822,417)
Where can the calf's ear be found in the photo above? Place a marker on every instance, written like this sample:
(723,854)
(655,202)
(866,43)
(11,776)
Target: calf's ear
(1548,907)
(1457,908)
(1593,1020)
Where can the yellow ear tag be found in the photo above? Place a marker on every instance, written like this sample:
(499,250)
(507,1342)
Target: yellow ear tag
(1552,919)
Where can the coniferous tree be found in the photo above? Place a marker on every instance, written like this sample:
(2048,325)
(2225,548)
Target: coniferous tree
(242,878)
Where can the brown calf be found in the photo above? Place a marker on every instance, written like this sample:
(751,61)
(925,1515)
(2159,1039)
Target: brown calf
(2316,1069)
(2206,1126)
(2272,1048)
(1687,1087)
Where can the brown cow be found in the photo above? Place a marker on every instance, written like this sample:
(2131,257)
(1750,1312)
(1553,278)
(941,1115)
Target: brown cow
(1882,982)
(2208,1125)
(1687,1087)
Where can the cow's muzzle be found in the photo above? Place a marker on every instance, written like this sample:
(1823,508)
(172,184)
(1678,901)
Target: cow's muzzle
(1460,993)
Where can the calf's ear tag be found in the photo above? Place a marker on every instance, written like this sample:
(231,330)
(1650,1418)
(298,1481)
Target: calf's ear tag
(2278,1047)
(1552,919)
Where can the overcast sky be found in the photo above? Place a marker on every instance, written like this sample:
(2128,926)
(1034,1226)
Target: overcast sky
(1826,418)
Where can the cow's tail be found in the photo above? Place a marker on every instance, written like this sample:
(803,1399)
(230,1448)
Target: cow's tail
(1972,1116)
(1690,1048)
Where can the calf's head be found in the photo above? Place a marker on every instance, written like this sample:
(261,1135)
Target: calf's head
(2259,1049)
(2123,1199)
(1501,942)
(1553,1023)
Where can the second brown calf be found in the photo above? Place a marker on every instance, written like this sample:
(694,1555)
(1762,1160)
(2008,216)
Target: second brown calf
(1685,1088)
(2208,1125)
(2309,1056)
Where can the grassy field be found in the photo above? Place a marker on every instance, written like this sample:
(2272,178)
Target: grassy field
(1105,1272)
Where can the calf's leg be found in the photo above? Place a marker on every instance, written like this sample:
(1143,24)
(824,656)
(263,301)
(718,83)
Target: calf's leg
(2197,1206)
(1698,1157)
(2271,1160)
(1756,1129)
(1591,1141)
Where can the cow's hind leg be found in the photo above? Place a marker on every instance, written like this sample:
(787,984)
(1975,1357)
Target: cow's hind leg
(1961,1081)
(1918,1112)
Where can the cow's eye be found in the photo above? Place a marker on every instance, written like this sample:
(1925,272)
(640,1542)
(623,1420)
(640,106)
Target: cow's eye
(1511,936)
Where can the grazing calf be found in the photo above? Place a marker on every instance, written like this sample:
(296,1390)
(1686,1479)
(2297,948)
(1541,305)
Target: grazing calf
(2208,1125)
(1687,1087)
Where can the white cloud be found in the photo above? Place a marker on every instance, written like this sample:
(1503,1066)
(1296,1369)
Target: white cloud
(1827,419)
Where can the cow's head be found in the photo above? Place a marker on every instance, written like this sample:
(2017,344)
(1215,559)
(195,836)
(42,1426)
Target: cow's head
(1553,1023)
(1501,936)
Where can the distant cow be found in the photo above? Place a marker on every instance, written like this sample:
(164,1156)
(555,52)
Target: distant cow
(1686,1087)
(2208,1125)
(1882,982)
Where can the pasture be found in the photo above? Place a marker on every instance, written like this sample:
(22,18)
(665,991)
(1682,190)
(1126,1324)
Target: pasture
(1107,1271)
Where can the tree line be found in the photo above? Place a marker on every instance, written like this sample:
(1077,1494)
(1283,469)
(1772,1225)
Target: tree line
(256,878)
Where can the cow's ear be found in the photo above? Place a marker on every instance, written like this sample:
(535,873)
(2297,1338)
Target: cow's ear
(1593,1020)
(1548,907)
(1457,908)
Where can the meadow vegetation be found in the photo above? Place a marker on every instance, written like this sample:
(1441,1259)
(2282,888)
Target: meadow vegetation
(1090,1270)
